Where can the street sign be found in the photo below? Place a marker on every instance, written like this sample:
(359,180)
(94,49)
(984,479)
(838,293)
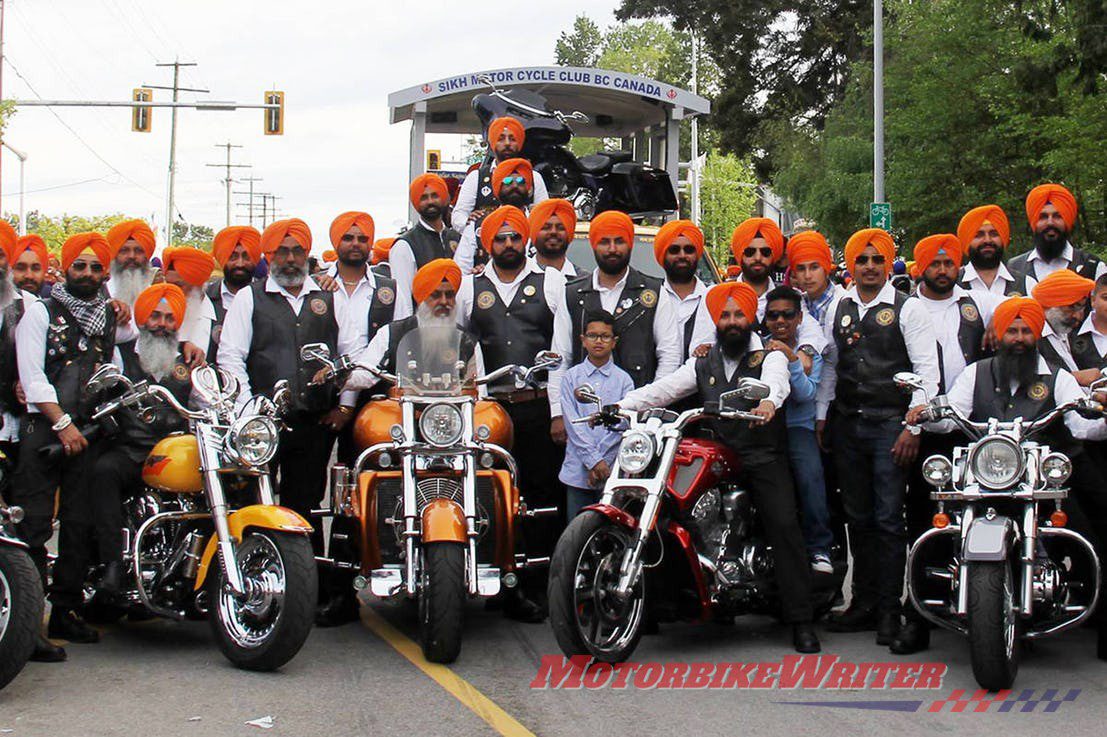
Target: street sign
(880,215)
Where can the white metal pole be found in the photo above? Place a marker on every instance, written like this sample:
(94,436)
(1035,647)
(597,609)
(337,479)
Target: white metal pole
(696,214)
(878,101)
(22,160)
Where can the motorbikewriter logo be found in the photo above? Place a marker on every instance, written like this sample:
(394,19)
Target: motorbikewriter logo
(792,672)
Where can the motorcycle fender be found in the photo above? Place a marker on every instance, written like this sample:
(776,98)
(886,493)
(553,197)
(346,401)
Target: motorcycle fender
(270,517)
(987,539)
(614,514)
(13,541)
(444,521)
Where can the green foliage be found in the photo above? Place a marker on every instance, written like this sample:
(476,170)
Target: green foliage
(7,110)
(728,193)
(197,236)
(56,229)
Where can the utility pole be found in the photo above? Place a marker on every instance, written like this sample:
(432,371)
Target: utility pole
(22,162)
(250,194)
(176,64)
(878,101)
(228,166)
(2,4)
(695,194)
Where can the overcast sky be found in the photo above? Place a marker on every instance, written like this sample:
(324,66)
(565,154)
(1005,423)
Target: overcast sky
(336,60)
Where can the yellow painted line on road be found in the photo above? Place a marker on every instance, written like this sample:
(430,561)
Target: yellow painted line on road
(457,686)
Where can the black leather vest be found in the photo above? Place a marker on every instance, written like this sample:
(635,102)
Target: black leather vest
(72,357)
(636,350)
(9,371)
(214,291)
(1083,263)
(870,352)
(970,339)
(1052,356)
(382,308)
(756,445)
(485,197)
(275,349)
(427,245)
(515,333)
(1029,402)
(399,329)
(137,434)
(1084,352)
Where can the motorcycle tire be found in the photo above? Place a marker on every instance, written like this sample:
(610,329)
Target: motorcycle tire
(564,569)
(994,624)
(21,606)
(442,601)
(232,620)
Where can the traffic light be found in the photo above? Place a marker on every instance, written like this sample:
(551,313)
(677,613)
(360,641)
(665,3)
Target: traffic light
(434,159)
(274,117)
(141,118)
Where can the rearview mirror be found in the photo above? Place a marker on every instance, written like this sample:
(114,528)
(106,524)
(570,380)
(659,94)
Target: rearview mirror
(907,380)
(316,352)
(585,394)
(106,376)
(547,359)
(749,389)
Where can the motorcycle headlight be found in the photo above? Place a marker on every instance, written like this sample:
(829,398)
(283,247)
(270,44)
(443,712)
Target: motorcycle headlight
(1056,469)
(635,452)
(441,425)
(252,441)
(997,462)
(937,470)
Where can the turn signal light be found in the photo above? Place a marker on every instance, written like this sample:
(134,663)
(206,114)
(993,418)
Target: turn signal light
(941,519)
(1059,519)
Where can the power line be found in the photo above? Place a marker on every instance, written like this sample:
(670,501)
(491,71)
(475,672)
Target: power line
(58,186)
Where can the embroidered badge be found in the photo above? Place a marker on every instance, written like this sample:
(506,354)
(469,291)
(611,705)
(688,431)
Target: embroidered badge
(318,306)
(969,312)
(711,381)
(529,290)
(485,300)
(1037,391)
(648,298)
(625,304)
(885,317)
(180,372)
(1014,294)
(386,295)
(846,320)
(756,359)
(486,190)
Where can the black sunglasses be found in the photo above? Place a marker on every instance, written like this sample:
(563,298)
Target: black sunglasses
(94,267)
(863,259)
(778,314)
(505,237)
(764,251)
(676,250)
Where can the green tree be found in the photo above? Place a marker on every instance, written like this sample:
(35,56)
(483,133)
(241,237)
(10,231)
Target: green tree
(56,229)
(728,192)
(579,47)
(189,234)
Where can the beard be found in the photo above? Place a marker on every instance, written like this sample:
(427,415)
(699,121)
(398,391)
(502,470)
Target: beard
(83,288)
(7,288)
(431,213)
(157,352)
(552,247)
(130,281)
(1059,322)
(733,341)
(1016,364)
(427,319)
(509,259)
(515,197)
(1050,242)
(987,260)
(680,273)
(353,257)
(238,277)
(939,287)
(290,275)
(613,264)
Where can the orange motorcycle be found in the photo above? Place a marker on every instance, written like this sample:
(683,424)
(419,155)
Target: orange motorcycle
(433,495)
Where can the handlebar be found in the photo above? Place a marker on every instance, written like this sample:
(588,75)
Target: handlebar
(612,415)
(936,412)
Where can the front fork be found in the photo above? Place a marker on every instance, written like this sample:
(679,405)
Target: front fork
(1028,546)
(631,567)
(208,444)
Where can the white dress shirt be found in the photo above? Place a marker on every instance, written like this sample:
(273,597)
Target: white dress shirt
(553,288)
(688,308)
(1040,268)
(238,332)
(1064,391)
(666,336)
(226,296)
(467,197)
(918,335)
(567,269)
(10,431)
(945,316)
(197,326)
(401,260)
(682,382)
(1061,345)
(809,333)
(1098,338)
(999,284)
(466,253)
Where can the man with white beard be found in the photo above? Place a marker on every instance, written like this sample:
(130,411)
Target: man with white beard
(132,246)
(154,357)
(190,268)
(1063,295)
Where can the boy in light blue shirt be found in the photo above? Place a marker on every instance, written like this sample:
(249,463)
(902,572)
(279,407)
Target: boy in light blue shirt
(590,451)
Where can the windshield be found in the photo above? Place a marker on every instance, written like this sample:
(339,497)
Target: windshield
(641,258)
(435,361)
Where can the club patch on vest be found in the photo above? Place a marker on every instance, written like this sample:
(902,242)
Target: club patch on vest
(1038,391)
(485,300)
(318,306)
(648,298)
(885,317)
(486,190)
(529,290)
(1014,293)
(756,359)
(969,312)
(216,332)
(846,320)
(1080,344)
(180,372)
(386,295)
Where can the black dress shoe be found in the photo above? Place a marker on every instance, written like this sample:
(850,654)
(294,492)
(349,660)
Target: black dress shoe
(887,627)
(112,580)
(341,609)
(857,618)
(913,637)
(518,607)
(67,624)
(47,652)
(804,638)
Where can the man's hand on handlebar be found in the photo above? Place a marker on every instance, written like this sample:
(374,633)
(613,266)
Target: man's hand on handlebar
(766,410)
(915,415)
(73,442)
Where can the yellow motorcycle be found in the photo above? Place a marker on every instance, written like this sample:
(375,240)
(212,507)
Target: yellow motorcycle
(204,536)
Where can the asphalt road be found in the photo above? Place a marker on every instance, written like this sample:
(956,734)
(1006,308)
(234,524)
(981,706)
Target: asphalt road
(165,678)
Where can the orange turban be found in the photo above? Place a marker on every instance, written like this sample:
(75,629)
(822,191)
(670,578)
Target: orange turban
(501,216)
(974,220)
(75,245)
(281,229)
(808,246)
(672,230)
(122,232)
(330,255)
(750,229)
(541,213)
(505,169)
(194,265)
(930,247)
(1013,307)
(152,296)
(1055,195)
(381,249)
(739,291)
(496,127)
(1062,288)
(345,221)
(420,184)
(227,239)
(862,239)
(430,276)
(611,224)
(34,243)
(8,238)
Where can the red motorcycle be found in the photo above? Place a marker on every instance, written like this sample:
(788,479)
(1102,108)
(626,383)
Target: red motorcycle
(672,537)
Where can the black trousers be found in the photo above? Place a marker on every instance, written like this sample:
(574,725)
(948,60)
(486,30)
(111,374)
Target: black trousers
(342,545)
(774,495)
(300,470)
(116,473)
(33,488)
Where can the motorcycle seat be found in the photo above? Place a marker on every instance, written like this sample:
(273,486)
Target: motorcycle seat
(598,162)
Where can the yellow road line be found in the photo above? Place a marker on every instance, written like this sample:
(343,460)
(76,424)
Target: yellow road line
(457,686)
